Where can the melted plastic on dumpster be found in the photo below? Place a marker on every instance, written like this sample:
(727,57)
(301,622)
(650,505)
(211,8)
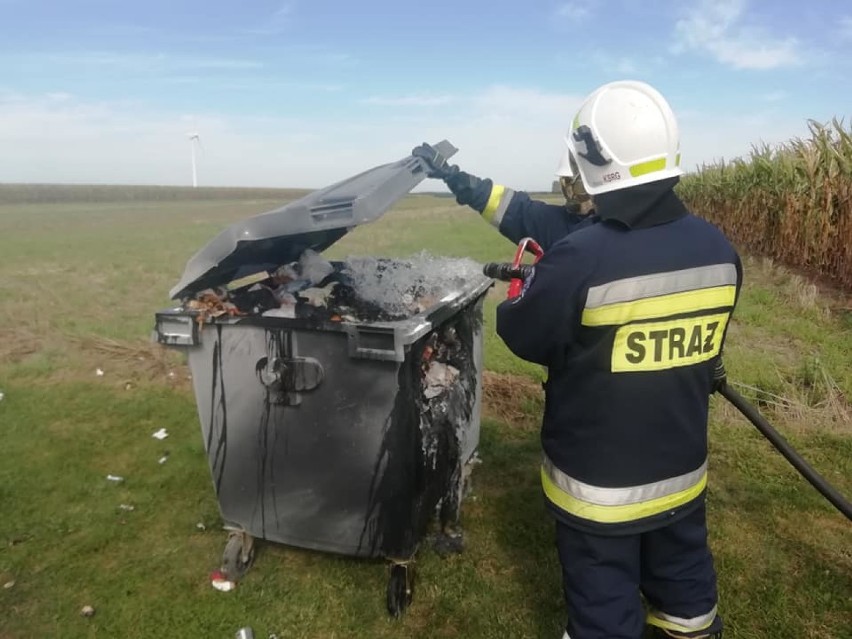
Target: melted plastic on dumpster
(431,429)
(218,418)
(408,286)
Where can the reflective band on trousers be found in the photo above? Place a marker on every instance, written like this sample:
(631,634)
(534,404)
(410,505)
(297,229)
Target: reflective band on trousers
(498,202)
(679,624)
(618,505)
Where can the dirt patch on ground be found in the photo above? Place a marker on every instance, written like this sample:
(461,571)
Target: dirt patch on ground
(510,398)
(137,360)
(17,344)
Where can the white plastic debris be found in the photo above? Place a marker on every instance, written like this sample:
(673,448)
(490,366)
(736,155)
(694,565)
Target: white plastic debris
(171,375)
(314,267)
(9,585)
(160,434)
(220,582)
(285,310)
(2,396)
(438,378)
(127,508)
(99,372)
(201,526)
(293,286)
(115,478)
(318,296)
(286,272)
(87,611)
(163,459)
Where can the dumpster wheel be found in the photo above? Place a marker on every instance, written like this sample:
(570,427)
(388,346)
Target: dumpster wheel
(238,555)
(400,588)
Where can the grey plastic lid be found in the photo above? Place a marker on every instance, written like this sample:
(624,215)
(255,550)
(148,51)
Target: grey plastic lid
(315,221)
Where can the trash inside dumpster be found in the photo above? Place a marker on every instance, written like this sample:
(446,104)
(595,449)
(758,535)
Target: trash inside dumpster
(339,401)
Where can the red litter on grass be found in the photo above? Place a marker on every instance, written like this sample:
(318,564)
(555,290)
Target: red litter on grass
(220,582)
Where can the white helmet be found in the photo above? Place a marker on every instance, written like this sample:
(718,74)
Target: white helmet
(624,134)
(566,166)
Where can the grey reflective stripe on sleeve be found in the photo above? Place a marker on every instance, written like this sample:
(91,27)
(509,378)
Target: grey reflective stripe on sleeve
(653,285)
(622,496)
(694,624)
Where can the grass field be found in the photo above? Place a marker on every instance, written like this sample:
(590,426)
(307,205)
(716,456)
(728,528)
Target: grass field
(78,287)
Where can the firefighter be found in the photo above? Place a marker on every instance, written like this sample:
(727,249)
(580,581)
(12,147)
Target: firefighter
(629,315)
(514,213)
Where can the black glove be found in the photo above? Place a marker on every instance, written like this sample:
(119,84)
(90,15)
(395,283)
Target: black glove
(436,164)
(720,377)
(467,188)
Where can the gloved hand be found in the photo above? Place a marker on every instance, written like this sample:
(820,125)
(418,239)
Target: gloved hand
(463,185)
(437,166)
(720,377)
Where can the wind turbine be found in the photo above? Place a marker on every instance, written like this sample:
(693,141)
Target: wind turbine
(194,139)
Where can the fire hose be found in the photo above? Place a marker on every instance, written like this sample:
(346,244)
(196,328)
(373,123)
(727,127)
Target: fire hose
(515,273)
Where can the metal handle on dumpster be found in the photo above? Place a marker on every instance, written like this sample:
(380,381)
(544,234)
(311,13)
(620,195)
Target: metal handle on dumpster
(287,377)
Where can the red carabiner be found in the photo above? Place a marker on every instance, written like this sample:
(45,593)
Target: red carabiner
(526,244)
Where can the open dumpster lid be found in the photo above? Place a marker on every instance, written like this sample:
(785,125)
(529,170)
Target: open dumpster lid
(315,221)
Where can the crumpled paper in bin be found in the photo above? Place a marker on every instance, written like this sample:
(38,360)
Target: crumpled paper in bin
(438,378)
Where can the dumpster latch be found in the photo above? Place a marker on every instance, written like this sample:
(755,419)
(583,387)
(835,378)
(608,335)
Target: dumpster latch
(286,378)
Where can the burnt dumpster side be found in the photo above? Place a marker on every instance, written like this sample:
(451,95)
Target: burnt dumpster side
(333,452)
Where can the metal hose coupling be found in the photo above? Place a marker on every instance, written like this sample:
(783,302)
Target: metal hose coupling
(505,271)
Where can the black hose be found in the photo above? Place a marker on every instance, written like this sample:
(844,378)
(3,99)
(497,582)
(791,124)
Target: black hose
(814,478)
(506,271)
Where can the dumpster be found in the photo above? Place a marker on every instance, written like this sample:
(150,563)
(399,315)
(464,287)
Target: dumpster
(342,417)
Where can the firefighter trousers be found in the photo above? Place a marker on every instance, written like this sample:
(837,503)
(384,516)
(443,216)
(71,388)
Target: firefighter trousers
(606,578)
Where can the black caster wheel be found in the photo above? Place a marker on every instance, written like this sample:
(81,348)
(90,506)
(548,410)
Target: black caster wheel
(238,555)
(400,589)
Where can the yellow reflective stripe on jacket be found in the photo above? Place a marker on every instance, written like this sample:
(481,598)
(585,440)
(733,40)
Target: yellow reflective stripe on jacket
(660,294)
(661,306)
(619,505)
(679,624)
(497,204)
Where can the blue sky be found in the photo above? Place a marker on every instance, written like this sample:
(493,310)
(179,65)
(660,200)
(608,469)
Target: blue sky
(305,92)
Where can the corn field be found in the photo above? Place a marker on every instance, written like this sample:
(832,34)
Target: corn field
(792,202)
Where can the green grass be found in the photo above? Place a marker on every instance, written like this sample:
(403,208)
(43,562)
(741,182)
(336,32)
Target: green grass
(79,284)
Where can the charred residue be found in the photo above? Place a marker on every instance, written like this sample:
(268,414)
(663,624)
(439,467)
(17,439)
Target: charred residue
(218,428)
(418,470)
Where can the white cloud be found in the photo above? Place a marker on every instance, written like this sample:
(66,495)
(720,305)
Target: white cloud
(285,9)
(277,23)
(409,100)
(845,27)
(514,135)
(137,63)
(625,66)
(574,11)
(717,27)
